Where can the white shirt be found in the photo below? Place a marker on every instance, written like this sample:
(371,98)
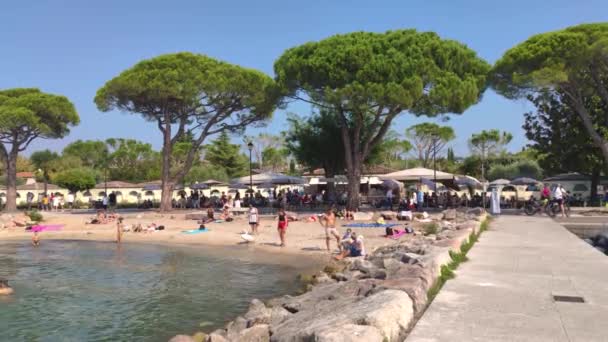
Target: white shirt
(105,200)
(557,194)
(237,203)
(70,198)
(389,194)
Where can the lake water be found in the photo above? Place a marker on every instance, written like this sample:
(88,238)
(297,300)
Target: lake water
(94,291)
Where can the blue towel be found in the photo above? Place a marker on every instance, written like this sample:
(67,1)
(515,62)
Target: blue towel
(194,231)
(370,225)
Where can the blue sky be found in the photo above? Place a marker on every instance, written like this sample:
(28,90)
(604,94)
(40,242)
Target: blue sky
(72,47)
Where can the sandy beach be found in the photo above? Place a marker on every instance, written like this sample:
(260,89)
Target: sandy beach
(303,238)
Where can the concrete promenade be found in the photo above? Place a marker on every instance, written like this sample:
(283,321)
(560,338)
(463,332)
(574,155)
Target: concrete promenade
(505,291)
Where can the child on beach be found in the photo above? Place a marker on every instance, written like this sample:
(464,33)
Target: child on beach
(254,219)
(35,239)
(282,226)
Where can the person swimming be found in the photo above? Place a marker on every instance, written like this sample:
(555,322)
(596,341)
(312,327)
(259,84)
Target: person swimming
(5,289)
(35,239)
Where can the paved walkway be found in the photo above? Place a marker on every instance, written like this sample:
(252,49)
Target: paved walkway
(505,291)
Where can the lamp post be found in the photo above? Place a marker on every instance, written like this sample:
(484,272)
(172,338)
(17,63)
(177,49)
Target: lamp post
(435,139)
(250,147)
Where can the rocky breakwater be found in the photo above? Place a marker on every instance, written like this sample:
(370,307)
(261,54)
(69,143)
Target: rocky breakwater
(373,298)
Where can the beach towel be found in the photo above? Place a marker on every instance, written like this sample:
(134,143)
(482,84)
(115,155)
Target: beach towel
(194,231)
(397,235)
(370,225)
(46,228)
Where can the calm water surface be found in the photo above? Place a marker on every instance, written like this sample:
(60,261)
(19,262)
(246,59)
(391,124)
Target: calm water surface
(93,291)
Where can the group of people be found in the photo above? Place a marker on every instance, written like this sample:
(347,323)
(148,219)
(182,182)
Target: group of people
(417,199)
(50,202)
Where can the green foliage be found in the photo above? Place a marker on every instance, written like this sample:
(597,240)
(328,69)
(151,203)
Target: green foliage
(27,114)
(551,59)
(319,132)
(450,155)
(222,153)
(34,215)
(190,95)
(487,143)
(558,135)
(92,153)
(205,172)
(274,159)
(43,160)
(430,228)
(457,259)
(132,160)
(366,79)
(521,168)
(571,62)
(428,139)
(81,179)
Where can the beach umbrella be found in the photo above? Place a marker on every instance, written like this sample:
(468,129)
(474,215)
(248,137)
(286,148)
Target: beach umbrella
(500,181)
(199,186)
(524,181)
(270,177)
(239,186)
(266,186)
(468,181)
(391,184)
(429,183)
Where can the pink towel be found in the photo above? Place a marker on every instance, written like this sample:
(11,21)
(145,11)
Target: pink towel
(47,227)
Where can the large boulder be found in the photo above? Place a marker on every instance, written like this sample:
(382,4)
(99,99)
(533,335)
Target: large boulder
(216,338)
(449,215)
(257,333)
(234,328)
(390,312)
(350,333)
(258,313)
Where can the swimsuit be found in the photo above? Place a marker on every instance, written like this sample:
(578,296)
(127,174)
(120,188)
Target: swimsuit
(282,222)
(331,230)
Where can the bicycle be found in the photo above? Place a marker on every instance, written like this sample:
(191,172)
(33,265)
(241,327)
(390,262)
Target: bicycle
(553,208)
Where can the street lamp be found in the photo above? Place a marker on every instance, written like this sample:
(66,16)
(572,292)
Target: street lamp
(250,147)
(435,139)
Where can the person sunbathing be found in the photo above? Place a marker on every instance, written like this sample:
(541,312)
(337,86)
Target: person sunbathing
(4,288)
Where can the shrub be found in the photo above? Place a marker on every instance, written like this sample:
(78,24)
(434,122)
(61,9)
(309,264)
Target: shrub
(430,228)
(34,215)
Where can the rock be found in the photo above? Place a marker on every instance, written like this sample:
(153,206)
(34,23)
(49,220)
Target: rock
(449,215)
(235,327)
(199,337)
(361,216)
(341,277)
(350,333)
(278,315)
(364,266)
(322,277)
(258,313)
(475,211)
(257,333)
(216,338)
(181,338)
(389,311)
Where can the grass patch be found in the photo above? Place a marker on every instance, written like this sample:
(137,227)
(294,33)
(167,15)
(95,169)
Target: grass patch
(430,228)
(447,271)
(34,215)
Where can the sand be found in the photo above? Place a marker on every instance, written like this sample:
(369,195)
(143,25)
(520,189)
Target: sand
(302,238)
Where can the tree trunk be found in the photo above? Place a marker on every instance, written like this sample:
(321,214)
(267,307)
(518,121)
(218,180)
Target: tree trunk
(354,184)
(166,184)
(11,182)
(595,181)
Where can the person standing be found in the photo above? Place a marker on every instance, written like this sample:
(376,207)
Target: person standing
(329,222)
(71,201)
(558,195)
(119,229)
(389,198)
(112,201)
(282,226)
(30,200)
(254,219)
(420,199)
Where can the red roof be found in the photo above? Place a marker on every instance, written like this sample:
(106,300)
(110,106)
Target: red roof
(26,174)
